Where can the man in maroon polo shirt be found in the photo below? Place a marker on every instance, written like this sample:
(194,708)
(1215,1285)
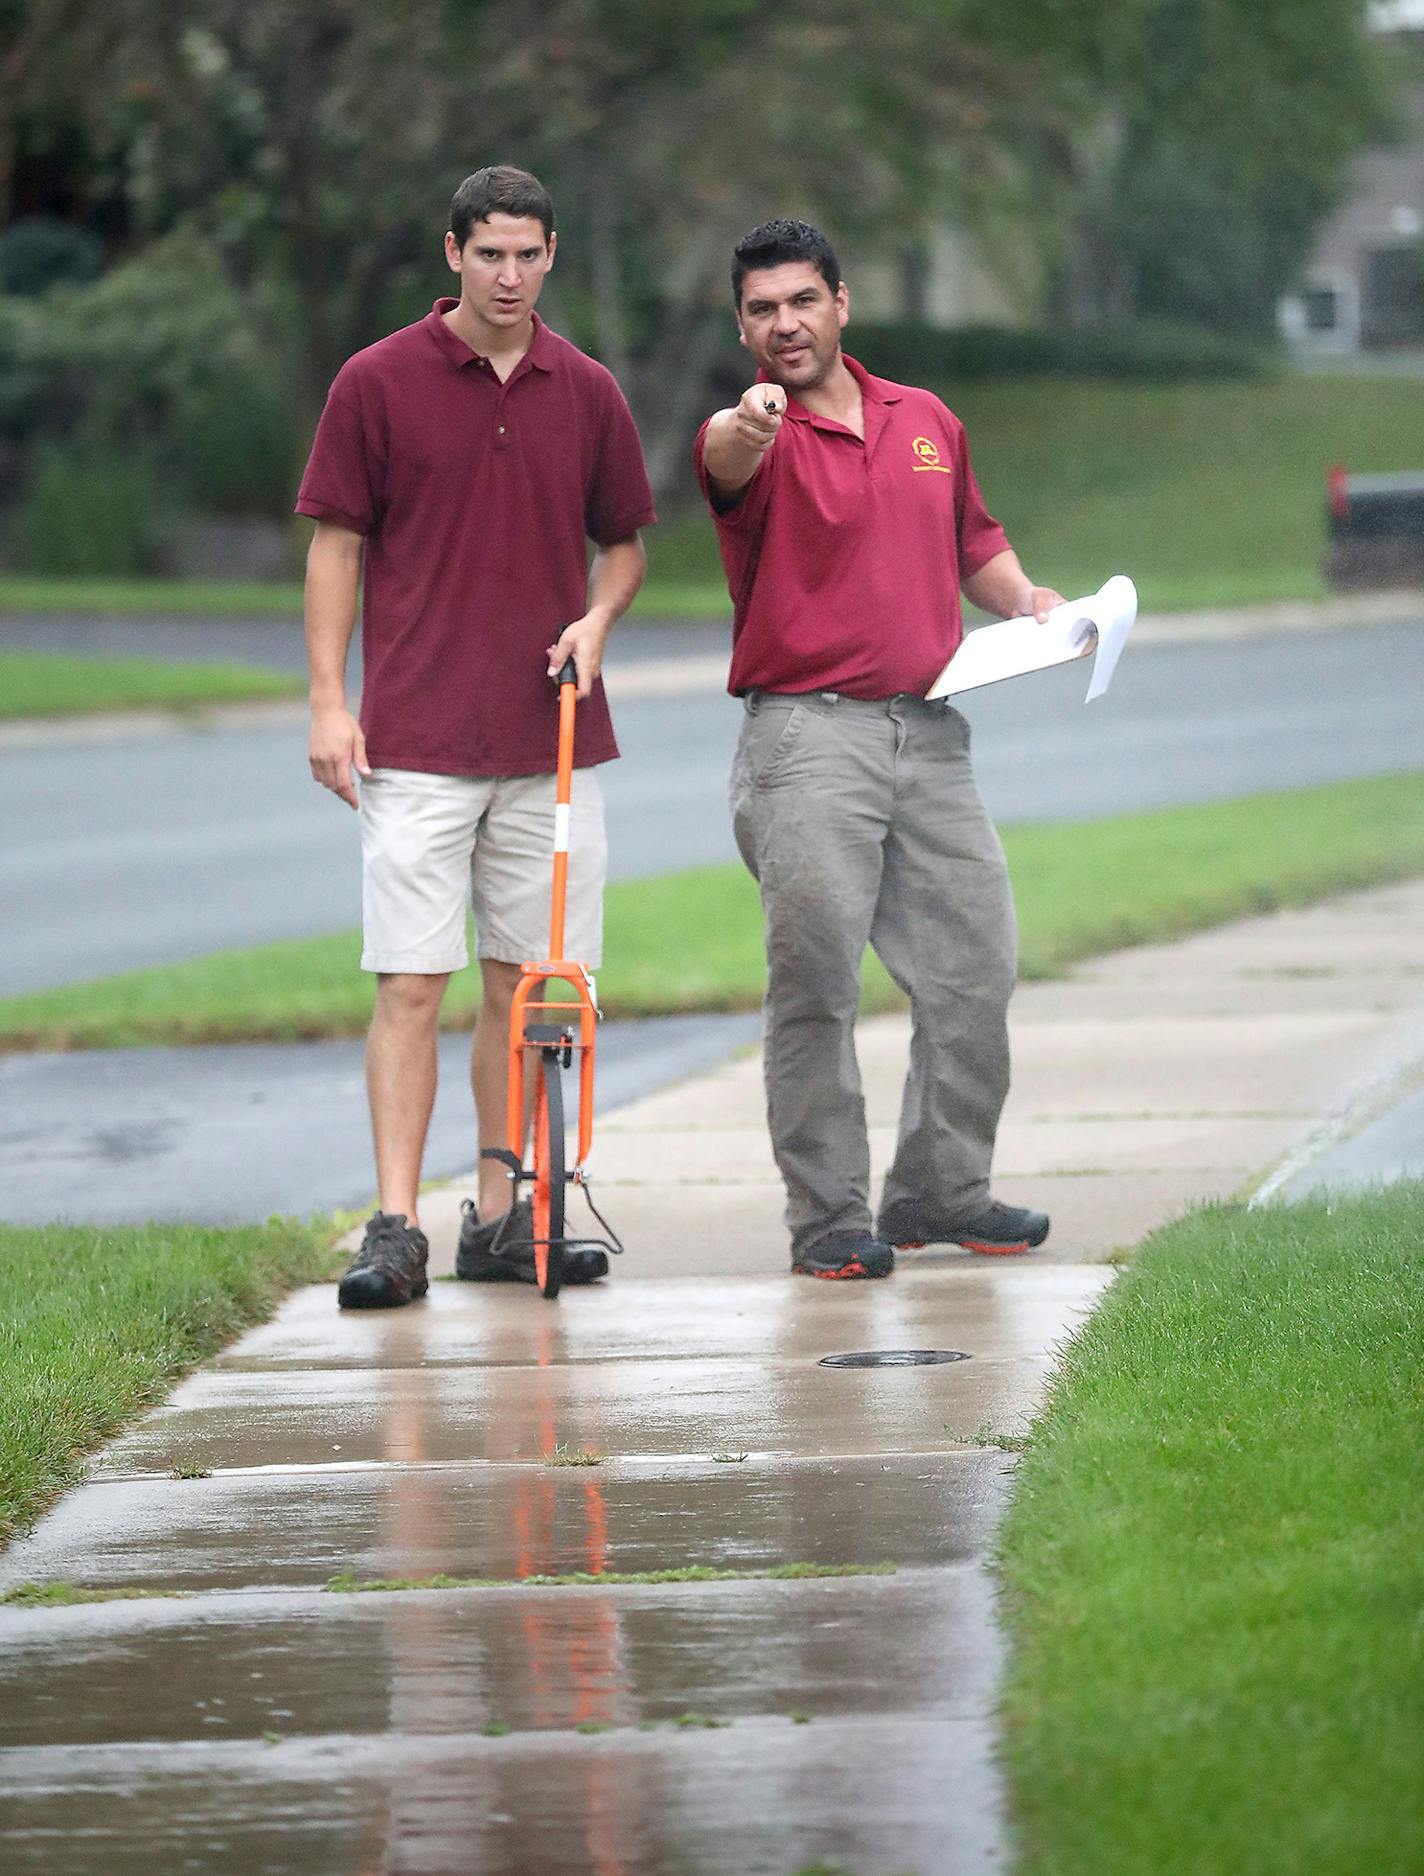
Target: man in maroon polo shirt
(849,519)
(460,468)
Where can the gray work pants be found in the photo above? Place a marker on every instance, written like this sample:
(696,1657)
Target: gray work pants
(862,823)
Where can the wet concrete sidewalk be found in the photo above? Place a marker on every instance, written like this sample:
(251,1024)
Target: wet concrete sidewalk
(242,1717)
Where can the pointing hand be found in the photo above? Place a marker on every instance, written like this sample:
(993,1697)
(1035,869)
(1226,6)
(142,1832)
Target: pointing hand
(759,415)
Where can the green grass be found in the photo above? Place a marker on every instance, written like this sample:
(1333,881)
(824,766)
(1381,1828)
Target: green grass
(685,599)
(1207,494)
(97,1324)
(62,1594)
(347,1585)
(692,941)
(45,684)
(1212,1564)
(122,598)
(698,593)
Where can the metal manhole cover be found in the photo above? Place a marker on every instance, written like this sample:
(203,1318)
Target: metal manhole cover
(893,1358)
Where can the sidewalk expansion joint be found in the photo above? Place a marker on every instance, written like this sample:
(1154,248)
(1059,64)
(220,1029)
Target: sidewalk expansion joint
(61,1595)
(610,1462)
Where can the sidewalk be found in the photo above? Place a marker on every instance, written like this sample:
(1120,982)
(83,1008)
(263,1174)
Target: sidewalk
(255,1724)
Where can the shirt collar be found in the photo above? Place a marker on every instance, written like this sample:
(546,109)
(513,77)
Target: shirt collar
(541,353)
(872,389)
(877,390)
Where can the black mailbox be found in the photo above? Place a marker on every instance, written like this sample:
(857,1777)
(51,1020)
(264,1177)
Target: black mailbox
(1376,529)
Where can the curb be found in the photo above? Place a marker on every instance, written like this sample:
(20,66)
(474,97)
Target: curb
(705,674)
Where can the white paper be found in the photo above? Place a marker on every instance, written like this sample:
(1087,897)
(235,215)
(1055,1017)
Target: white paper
(1079,627)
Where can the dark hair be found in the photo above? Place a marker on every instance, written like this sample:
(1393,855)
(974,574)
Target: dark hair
(777,242)
(499,190)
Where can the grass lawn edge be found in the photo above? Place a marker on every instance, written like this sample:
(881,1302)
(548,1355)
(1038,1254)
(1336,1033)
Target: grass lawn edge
(44,686)
(1208,1569)
(1083,889)
(98,1324)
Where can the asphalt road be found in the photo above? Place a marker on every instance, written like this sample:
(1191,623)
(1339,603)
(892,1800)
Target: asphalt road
(231,1135)
(125,849)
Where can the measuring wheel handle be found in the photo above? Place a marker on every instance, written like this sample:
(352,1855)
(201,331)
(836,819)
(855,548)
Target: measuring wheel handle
(544,1050)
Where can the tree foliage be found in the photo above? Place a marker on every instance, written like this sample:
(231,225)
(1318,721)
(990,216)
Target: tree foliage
(318,145)
(1209,138)
(1173,154)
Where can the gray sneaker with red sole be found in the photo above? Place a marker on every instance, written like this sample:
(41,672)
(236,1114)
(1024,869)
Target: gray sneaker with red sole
(842,1254)
(994,1230)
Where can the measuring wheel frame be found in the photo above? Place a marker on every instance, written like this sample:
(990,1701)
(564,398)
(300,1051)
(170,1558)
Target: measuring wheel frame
(545,1034)
(549,1173)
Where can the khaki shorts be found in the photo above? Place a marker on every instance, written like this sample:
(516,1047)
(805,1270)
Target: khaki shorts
(432,845)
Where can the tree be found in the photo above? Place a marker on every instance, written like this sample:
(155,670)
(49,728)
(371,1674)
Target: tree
(315,146)
(1209,138)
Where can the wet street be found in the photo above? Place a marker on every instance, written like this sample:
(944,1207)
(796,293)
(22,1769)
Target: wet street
(132,846)
(232,1134)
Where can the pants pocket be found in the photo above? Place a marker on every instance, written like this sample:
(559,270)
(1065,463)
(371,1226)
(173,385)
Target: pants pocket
(771,751)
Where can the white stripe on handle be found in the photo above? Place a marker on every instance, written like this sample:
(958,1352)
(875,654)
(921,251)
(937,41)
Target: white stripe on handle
(561,827)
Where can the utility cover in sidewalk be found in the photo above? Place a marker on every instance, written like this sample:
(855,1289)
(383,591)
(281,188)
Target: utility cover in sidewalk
(892,1358)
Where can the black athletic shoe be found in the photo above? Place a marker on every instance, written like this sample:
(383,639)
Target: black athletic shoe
(995,1230)
(389,1268)
(845,1254)
(503,1250)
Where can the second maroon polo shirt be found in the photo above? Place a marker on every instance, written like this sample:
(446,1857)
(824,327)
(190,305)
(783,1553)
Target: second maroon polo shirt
(476,500)
(844,557)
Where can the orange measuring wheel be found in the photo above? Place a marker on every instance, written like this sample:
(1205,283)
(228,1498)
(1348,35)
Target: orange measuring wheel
(540,1049)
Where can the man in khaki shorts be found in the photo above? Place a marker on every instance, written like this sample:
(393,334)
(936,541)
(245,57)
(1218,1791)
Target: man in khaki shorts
(459,470)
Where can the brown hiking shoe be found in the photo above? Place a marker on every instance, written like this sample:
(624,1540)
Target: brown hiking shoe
(389,1268)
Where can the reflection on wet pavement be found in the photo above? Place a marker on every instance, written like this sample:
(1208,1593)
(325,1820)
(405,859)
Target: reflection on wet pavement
(672,1319)
(549,1659)
(760,1798)
(239,1421)
(257,1724)
(511,1521)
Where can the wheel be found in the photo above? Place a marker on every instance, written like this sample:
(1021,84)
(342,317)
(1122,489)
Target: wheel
(549,1173)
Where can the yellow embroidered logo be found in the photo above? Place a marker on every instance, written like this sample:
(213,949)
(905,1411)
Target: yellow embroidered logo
(928,453)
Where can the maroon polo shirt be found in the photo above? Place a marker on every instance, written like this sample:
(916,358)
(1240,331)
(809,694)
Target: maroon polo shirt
(844,557)
(477,500)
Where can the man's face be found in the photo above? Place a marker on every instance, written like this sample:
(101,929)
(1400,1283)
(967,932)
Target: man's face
(502,266)
(791,323)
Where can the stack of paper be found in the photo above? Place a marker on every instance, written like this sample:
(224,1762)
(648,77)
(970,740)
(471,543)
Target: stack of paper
(1076,629)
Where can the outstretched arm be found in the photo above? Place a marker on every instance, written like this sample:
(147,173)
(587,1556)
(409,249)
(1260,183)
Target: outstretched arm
(738,438)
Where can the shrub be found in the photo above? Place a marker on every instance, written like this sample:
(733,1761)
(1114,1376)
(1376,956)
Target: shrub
(88,508)
(39,253)
(234,445)
(1142,349)
(165,352)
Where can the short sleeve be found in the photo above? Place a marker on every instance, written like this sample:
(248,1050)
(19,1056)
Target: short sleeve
(344,472)
(980,536)
(619,499)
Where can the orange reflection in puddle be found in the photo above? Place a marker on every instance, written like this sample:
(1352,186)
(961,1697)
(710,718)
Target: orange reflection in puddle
(560,1667)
